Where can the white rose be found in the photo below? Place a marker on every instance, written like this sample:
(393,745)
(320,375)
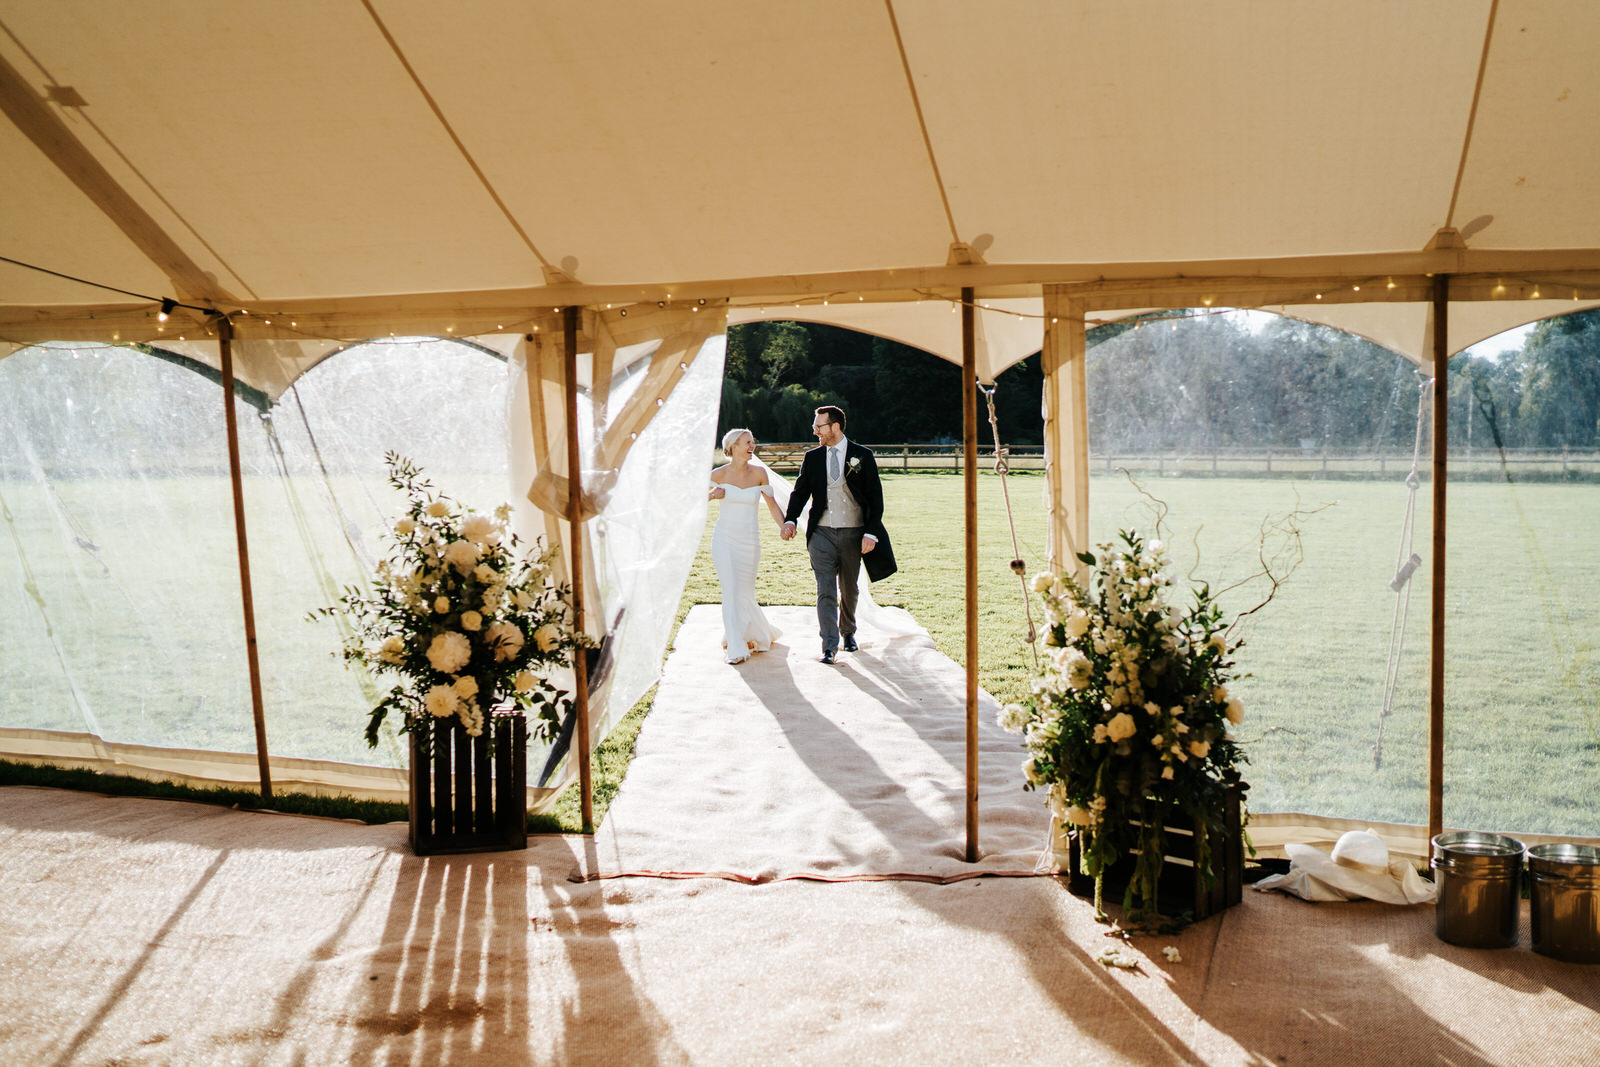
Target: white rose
(1152,708)
(1100,737)
(484,573)
(1078,816)
(466,687)
(1042,581)
(449,652)
(471,621)
(1030,770)
(1012,718)
(525,681)
(1078,624)
(1198,749)
(393,651)
(1166,772)
(1121,727)
(442,605)
(441,701)
(438,509)
(547,637)
(505,639)
(1235,711)
(462,555)
(479,529)
(405,526)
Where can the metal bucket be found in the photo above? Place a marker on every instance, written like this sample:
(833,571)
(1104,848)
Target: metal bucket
(1479,882)
(1565,901)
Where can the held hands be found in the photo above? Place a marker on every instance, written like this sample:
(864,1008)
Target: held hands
(786,531)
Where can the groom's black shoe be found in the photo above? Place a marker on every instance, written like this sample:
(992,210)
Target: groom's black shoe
(850,643)
(827,655)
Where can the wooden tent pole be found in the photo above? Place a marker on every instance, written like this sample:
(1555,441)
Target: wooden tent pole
(569,351)
(1441,443)
(230,419)
(969,470)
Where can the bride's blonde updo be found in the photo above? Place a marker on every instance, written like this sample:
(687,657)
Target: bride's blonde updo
(731,436)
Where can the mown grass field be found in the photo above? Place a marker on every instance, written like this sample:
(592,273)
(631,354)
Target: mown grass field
(1523,674)
(133,627)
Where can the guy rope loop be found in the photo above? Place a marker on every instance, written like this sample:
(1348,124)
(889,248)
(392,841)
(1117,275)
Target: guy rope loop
(1406,564)
(1018,567)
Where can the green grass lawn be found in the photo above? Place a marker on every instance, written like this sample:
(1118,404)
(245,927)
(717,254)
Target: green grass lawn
(1522,686)
(125,618)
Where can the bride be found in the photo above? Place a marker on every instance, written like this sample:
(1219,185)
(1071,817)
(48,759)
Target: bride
(742,485)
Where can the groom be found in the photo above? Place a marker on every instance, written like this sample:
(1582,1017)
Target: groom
(840,478)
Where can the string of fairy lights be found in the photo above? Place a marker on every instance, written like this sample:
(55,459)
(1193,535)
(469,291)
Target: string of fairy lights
(283,321)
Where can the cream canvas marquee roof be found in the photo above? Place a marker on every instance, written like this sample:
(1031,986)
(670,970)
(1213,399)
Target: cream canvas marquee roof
(353,168)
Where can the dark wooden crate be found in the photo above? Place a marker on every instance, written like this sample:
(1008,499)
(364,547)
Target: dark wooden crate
(466,795)
(1180,888)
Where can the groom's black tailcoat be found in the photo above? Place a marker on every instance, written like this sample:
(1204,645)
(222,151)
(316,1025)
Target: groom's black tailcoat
(861,476)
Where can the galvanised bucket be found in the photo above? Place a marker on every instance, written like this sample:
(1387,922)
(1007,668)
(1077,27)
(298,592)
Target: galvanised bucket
(1479,881)
(1565,901)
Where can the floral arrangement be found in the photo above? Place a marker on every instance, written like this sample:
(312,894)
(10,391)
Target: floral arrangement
(468,622)
(1128,726)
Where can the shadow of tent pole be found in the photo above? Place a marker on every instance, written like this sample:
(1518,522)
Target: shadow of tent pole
(600,663)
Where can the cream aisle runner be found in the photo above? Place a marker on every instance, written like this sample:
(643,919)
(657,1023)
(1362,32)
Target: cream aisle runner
(783,766)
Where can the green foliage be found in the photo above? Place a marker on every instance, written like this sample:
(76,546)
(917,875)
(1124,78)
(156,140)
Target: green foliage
(1219,381)
(468,623)
(1560,376)
(890,391)
(1128,724)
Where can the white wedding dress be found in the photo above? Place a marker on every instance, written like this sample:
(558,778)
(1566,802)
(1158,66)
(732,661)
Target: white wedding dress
(736,553)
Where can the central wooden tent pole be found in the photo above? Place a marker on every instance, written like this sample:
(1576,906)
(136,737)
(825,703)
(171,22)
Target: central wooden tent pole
(569,352)
(969,470)
(1441,444)
(231,420)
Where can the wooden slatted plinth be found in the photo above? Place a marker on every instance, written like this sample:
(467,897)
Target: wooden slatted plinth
(466,795)
(1180,891)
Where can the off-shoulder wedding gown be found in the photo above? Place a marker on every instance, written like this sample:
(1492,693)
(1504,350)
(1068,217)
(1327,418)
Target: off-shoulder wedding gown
(736,552)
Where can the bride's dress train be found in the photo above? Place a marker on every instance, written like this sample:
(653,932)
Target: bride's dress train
(736,553)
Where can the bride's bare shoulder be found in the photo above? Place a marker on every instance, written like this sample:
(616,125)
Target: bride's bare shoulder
(721,473)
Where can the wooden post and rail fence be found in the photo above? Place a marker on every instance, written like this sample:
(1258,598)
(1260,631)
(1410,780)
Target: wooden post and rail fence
(1476,464)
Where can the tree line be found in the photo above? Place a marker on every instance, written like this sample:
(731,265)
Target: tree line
(1185,380)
